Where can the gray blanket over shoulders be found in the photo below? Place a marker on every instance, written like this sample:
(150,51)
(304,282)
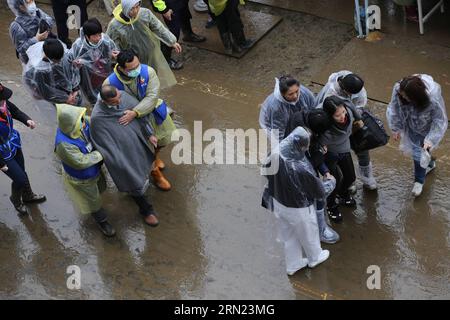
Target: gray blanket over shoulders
(126,150)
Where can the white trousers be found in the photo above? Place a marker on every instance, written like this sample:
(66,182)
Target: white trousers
(299,232)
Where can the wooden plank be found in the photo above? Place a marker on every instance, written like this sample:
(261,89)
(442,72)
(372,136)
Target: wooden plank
(256,25)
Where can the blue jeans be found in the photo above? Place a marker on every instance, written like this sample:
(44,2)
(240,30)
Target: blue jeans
(16,171)
(419,172)
(363,158)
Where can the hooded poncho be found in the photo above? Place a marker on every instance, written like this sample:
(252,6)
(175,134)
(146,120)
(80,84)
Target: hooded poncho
(276,111)
(24,28)
(416,126)
(143,34)
(96,63)
(295,183)
(48,80)
(332,88)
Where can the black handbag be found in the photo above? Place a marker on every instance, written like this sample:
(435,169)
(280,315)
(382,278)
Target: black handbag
(371,136)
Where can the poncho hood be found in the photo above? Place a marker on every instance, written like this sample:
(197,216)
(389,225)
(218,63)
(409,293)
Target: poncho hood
(69,119)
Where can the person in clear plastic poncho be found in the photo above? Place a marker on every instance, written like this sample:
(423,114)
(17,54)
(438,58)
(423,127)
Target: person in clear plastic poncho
(291,193)
(24,30)
(350,87)
(417,116)
(287,98)
(138,28)
(50,76)
(94,54)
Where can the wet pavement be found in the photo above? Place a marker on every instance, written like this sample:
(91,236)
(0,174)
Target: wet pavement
(214,240)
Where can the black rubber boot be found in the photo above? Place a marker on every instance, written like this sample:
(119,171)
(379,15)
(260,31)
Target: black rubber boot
(102,222)
(16,200)
(226,40)
(28,196)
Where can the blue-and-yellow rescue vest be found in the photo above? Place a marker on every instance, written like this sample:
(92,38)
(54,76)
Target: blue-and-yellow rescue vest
(81,174)
(9,137)
(160,112)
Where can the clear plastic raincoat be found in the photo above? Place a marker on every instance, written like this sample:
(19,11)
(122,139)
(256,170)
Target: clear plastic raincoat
(417,126)
(143,34)
(276,111)
(48,80)
(85,193)
(291,194)
(25,27)
(295,184)
(332,88)
(94,61)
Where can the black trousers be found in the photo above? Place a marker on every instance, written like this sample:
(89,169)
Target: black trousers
(181,21)
(16,171)
(341,167)
(60,13)
(145,207)
(229,21)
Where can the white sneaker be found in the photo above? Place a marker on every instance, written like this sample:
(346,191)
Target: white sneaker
(322,257)
(417,189)
(200,6)
(304,264)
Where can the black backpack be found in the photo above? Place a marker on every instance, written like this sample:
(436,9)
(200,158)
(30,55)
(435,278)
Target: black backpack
(371,136)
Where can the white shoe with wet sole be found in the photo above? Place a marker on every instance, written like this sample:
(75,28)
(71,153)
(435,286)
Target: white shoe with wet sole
(417,189)
(322,257)
(304,264)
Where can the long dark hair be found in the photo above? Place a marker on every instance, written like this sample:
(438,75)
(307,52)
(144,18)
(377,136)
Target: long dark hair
(331,104)
(416,91)
(287,81)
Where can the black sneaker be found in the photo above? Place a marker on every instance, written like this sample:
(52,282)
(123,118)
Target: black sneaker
(175,65)
(347,201)
(335,214)
(107,229)
(210,24)
(192,37)
(247,44)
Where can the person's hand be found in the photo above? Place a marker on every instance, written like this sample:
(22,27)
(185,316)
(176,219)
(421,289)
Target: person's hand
(177,47)
(72,99)
(128,116)
(427,145)
(328,176)
(396,136)
(154,141)
(77,63)
(4,169)
(42,36)
(114,54)
(168,15)
(31,124)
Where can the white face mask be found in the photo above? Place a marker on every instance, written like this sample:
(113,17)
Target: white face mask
(31,9)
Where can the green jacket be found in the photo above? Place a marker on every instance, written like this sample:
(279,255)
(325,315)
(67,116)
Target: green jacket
(146,106)
(85,193)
